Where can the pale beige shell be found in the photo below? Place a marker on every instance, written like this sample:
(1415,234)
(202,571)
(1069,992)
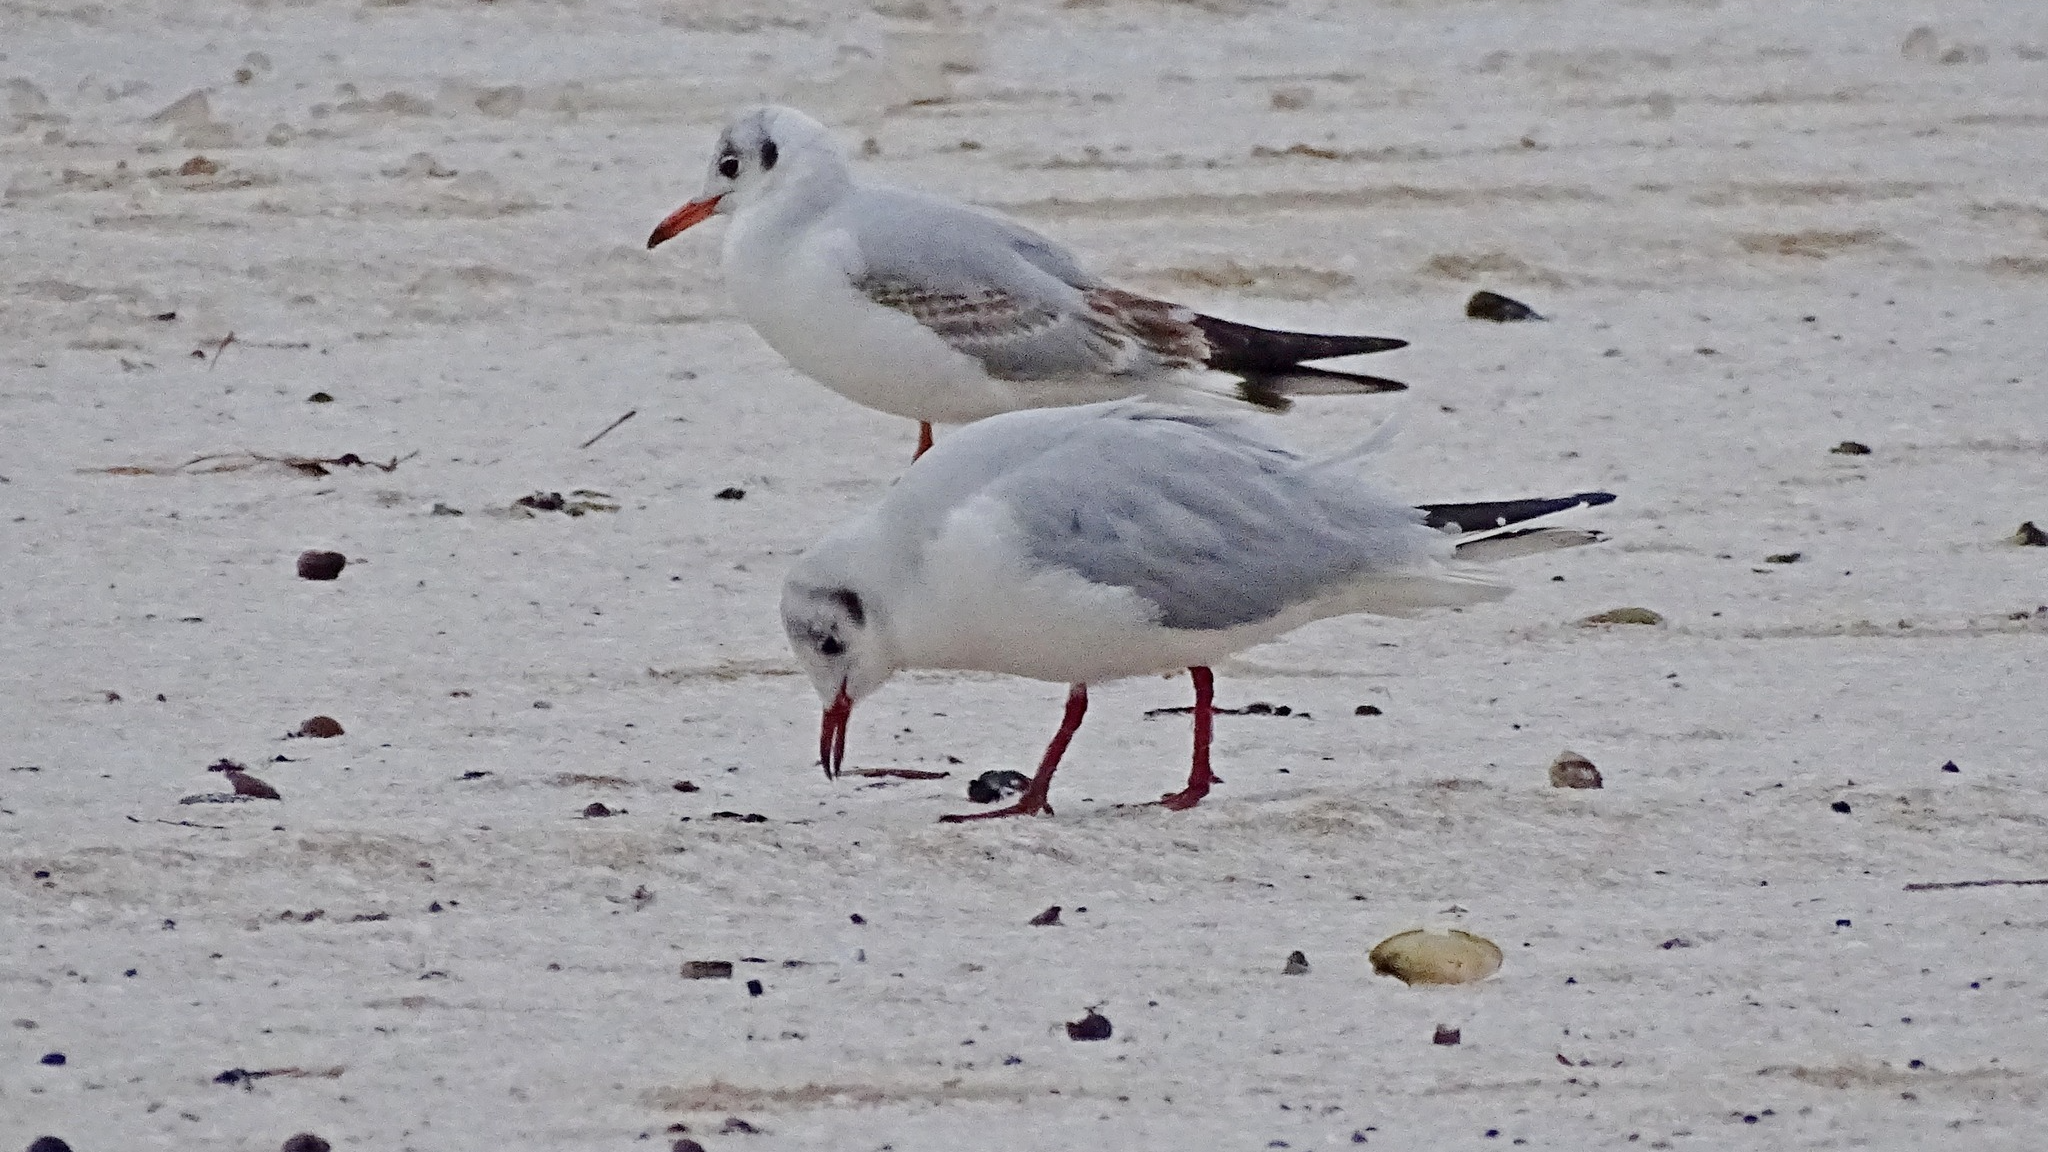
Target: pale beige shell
(1422,956)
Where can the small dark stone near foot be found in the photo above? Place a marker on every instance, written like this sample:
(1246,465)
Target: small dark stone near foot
(305,1142)
(1048,917)
(990,787)
(1446,1035)
(1093,1026)
(317,565)
(1851,448)
(1500,309)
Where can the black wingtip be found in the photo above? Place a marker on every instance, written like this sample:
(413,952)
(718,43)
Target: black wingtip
(1486,515)
(1235,347)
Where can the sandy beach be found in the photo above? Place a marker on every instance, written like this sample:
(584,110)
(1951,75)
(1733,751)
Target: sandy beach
(284,275)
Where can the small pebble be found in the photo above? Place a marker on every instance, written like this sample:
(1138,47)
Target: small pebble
(1571,770)
(754,988)
(686,1145)
(305,1142)
(1297,964)
(247,785)
(1446,1035)
(317,565)
(990,787)
(1950,767)
(320,728)
(1048,917)
(1784,558)
(734,1126)
(49,1144)
(1367,710)
(2030,536)
(730,494)
(1840,806)
(320,398)
(53,1059)
(1093,1026)
(1498,308)
(683,786)
(1850,448)
(597,810)
(707,969)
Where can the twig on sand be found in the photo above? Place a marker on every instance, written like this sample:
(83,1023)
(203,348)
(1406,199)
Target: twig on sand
(181,824)
(608,428)
(218,349)
(1929,887)
(243,461)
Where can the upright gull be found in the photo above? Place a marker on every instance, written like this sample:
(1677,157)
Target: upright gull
(943,313)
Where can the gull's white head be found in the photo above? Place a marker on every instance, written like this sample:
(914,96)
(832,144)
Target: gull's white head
(839,640)
(762,151)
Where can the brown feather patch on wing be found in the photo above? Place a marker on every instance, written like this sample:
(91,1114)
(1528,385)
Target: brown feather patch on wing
(1165,330)
(968,321)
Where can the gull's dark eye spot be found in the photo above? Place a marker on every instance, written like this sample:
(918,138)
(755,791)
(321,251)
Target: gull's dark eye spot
(769,155)
(729,165)
(831,646)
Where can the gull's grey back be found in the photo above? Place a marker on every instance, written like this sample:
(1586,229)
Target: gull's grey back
(1213,526)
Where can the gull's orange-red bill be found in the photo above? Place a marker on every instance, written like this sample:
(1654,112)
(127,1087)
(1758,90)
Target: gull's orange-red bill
(832,732)
(695,212)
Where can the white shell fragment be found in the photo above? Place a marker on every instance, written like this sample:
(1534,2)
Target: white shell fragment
(1423,956)
(1571,770)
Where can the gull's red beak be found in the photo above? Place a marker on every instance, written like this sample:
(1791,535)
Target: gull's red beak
(695,212)
(832,732)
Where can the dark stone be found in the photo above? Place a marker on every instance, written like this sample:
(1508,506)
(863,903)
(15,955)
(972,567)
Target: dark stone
(730,494)
(1046,918)
(1446,1035)
(320,728)
(53,1059)
(1840,806)
(305,1142)
(1093,1026)
(1851,448)
(317,565)
(1500,309)
(754,988)
(1367,710)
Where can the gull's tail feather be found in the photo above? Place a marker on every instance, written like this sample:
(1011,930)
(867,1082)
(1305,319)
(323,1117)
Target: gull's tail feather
(1525,542)
(1276,390)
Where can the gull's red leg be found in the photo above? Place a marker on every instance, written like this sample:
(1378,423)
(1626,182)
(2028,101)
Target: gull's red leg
(1033,802)
(924,440)
(1199,776)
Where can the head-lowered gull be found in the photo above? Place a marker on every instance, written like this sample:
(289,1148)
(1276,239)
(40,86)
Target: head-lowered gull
(1084,544)
(929,309)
